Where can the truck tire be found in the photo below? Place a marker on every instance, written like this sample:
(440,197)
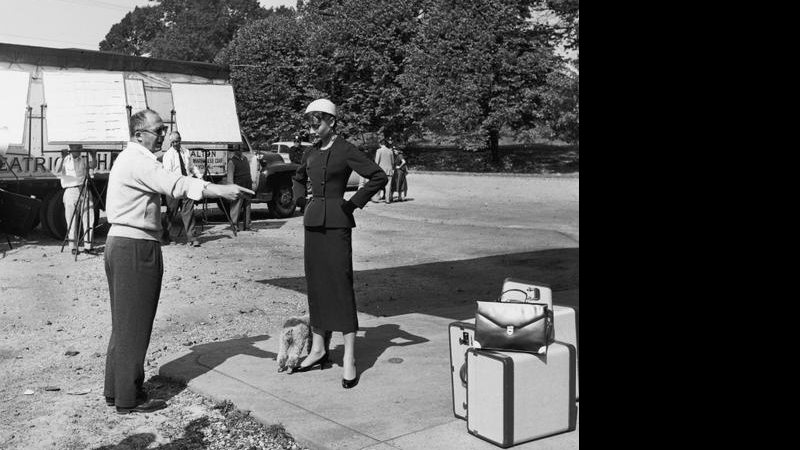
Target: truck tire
(56,222)
(55,215)
(43,214)
(282,204)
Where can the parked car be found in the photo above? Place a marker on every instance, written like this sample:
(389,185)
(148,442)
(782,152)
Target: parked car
(282,148)
(272,180)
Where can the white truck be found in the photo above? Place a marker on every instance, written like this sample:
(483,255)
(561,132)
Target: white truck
(193,98)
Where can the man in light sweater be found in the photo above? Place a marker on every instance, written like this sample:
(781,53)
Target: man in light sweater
(384,158)
(177,160)
(133,261)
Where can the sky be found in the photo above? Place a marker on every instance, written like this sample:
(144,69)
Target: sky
(70,23)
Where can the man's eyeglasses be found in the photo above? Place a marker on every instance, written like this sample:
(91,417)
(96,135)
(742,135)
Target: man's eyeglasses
(160,131)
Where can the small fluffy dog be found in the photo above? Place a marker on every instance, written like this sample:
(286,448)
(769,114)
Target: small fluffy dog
(295,335)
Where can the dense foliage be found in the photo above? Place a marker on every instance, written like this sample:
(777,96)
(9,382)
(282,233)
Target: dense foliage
(478,67)
(465,72)
(268,65)
(190,30)
(356,54)
(133,34)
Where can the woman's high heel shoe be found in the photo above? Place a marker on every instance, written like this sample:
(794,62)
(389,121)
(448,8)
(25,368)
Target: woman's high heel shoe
(347,384)
(321,361)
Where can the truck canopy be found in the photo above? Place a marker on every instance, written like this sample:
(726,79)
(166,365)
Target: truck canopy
(34,157)
(96,60)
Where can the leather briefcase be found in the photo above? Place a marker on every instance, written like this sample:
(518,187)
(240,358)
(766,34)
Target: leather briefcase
(512,326)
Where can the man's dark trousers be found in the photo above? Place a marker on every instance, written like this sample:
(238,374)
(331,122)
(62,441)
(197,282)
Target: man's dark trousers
(134,268)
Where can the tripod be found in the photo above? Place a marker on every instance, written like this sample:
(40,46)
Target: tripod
(207,177)
(84,202)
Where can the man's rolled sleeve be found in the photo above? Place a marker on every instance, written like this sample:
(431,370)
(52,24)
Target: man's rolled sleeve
(196,187)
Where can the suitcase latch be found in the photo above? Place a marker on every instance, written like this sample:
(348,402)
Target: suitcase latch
(510,330)
(464,340)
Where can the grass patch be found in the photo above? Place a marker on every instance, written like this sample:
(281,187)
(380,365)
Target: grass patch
(535,159)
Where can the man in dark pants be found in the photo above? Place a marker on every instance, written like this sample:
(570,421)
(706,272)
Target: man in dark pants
(133,262)
(239,173)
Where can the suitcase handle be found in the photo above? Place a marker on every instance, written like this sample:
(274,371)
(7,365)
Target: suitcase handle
(536,295)
(462,373)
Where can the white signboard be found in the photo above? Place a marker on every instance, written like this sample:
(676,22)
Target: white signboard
(134,90)
(85,107)
(13,103)
(206,113)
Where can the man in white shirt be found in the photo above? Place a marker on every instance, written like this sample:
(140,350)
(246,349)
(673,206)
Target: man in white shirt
(178,160)
(133,259)
(73,170)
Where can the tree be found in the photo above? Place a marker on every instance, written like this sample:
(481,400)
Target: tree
(357,52)
(478,67)
(196,30)
(190,30)
(267,63)
(568,29)
(132,35)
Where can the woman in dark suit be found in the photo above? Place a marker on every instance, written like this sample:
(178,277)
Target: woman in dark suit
(328,222)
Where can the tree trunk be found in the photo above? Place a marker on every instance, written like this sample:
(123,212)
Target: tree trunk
(494,137)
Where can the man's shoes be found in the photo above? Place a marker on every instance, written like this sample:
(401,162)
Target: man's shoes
(91,251)
(195,243)
(74,251)
(148,406)
(140,398)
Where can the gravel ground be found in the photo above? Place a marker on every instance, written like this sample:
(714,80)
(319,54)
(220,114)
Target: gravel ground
(55,323)
(55,318)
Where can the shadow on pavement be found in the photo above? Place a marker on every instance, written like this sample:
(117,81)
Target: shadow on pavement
(205,357)
(450,289)
(189,367)
(375,341)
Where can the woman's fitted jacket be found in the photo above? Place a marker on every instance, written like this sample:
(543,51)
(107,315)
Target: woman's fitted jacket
(328,171)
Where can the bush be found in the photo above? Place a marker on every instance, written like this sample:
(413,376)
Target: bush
(536,158)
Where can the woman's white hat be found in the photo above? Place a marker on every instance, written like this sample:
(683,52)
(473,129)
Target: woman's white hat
(322,105)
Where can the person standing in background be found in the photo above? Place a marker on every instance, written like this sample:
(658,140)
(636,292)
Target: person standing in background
(73,170)
(239,173)
(177,160)
(399,176)
(385,159)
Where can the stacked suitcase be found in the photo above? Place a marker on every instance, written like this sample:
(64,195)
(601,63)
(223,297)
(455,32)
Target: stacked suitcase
(512,397)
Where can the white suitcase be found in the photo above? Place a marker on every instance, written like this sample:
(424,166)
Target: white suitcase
(564,321)
(462,335)
(517,397)
(566,331)
(517,290)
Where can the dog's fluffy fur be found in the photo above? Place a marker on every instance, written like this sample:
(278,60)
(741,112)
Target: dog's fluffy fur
(295,335)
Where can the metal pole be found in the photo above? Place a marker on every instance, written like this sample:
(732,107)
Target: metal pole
(30,128)
(41,128)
